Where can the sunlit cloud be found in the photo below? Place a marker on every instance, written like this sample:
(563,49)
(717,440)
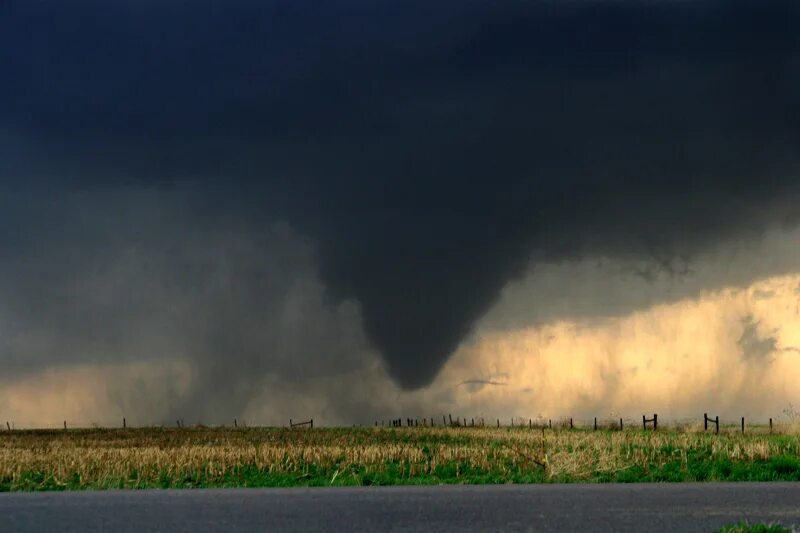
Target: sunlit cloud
(732,350)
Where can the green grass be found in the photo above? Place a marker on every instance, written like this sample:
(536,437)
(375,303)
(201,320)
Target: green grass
(273,457)
(744,527)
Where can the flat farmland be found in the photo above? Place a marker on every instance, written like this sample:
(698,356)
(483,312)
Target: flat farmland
(33,460)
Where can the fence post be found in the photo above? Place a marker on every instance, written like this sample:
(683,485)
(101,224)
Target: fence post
(530,423)
(290,424)
(717,421)
(65,425)
(512,421)
(124,423)
(705,421)
(620,424)
(498,422)
(311,426)
(770,426)
(236,423)
(9,425)
(655,421)
(595,423)
(550,423)
(570,423)
(742,425)
(644,423)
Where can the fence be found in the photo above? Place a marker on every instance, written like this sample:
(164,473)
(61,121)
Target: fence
(651,423)
(309,423)
(646,421)
(447,421)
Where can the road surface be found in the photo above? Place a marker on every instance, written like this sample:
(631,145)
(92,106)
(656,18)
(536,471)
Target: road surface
(634,507)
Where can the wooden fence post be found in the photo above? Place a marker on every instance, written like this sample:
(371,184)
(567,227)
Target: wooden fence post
(8,426)
(705,421)
(550,423)
(654,420)
(717,421)
(124,423)
(530,423)
(312,423)
(742,425)
(595,423)
(570,423)
(236,423)
(451,419)
(620,424)
(512,421)
(65,425)
(770,426)
(498,422)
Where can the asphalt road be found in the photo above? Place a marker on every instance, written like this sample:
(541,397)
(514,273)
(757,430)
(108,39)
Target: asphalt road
(636,507)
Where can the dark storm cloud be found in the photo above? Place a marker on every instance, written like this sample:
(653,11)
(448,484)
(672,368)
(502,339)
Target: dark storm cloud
(137,275)
(429,150)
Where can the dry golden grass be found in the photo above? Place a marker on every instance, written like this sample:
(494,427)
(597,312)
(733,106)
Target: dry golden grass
(191,457)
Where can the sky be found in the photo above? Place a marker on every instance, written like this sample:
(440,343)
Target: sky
(357,211)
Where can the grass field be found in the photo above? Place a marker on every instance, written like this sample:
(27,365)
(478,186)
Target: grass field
(274,457)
